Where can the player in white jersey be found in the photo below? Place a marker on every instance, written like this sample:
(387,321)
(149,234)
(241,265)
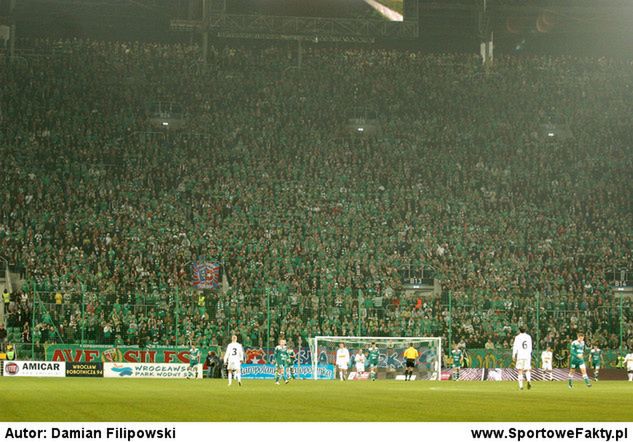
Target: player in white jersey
(342,361)
(359,361)
(628,360)
(546,363)
(522,356)
(233,359)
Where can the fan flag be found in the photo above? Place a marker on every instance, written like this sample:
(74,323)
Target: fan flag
(205,275)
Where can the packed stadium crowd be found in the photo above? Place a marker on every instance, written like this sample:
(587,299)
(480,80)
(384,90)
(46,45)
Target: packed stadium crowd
(312,221)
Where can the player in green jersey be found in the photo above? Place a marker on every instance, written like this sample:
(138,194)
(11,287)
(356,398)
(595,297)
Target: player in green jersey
(373,355)
(194,360)
(577,360)
(457,357)
(291,357)
(280,357)
(596,359)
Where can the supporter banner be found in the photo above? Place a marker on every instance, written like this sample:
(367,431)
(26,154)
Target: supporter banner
(388,358)
(507,374)
(165,371)
(108,353)
(502,358)
(391,358)
(205,275)
(475,358)
(84,369)
(35,369)
(267,371)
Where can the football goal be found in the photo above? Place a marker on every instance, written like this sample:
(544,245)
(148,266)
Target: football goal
(389,357)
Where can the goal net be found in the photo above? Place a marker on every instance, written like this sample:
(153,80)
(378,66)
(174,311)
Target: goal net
(391,362)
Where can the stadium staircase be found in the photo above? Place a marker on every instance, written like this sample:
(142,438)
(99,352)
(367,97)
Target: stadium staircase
(5,283)
(11,281)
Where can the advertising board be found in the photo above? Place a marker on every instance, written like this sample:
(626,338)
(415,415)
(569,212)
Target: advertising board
(84,369)
(158,370)
(35,369)
(267,371)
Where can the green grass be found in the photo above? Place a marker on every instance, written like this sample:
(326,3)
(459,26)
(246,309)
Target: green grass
(48,399)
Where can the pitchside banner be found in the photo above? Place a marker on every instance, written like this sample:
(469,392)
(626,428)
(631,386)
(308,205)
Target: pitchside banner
(35,369)
(267,371)
(502,358)
(165,371)
(84,369)
(108,353)
(388,358)
(507,374)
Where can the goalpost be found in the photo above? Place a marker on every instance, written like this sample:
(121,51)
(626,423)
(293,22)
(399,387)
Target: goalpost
(428,365)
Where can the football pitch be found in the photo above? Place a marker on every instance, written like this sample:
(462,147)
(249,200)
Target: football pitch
(123,400)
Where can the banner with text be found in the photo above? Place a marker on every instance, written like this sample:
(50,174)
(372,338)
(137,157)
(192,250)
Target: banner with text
(474,357)
(502,358)
(35,369)
(267,371)
(165,371)
(109,353)
(84,369)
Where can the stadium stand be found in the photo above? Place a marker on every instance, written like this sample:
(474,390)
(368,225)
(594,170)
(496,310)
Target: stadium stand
(105,212)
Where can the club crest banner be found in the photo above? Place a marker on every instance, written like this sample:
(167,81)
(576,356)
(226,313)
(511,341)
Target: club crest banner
(205,275)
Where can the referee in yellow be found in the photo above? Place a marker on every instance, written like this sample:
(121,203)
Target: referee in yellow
(410,356)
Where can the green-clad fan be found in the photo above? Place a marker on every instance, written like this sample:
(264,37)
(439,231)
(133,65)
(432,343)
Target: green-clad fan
(194,360)
(577,360)
(596,359)
(291,358)
(373,355)
(280,357)
(458,361)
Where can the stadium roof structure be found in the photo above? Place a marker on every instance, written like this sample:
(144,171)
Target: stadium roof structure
(289,27)
(581,27)
(325,20)
(550,25)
